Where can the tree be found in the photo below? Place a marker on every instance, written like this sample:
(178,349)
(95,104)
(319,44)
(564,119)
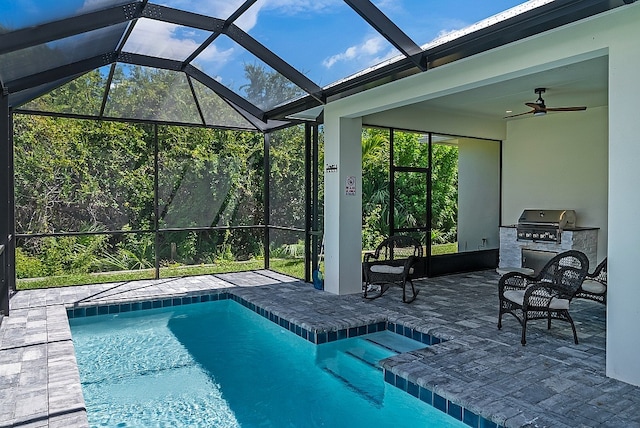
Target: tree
(266,89)
(98,176)
(411,188)
(375,186)
(444,223)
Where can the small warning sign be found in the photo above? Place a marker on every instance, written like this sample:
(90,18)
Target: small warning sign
(350,186)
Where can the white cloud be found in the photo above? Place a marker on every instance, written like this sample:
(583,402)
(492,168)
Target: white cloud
(216,8)
(446,33)
(91,5)
(294,7)
(224,8)
(213,53)
(157,38)
(220,9)
(283,7)
(389,5)
(212,60)
(371,51)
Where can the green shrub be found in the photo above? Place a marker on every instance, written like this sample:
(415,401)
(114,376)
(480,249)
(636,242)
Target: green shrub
(289,251)
(28,266)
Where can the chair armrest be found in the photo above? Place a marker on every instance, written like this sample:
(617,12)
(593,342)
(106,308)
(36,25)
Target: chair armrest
(540,295)
(600,273)
(513,281)
(408,264)
(369,256)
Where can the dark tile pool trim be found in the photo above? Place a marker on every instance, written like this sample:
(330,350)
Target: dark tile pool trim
(317,337)
(439,402)
(117,308)
(414,334)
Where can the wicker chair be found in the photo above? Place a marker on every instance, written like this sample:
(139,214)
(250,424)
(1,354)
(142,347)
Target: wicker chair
(594,287)
(545,296)
(391,264)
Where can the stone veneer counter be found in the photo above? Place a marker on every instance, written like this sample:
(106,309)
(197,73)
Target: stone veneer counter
(583,239)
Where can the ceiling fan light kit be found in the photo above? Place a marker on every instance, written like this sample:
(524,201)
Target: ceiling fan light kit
(539,108)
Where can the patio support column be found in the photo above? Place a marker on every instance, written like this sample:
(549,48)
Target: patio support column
(266,244)
(7,240)
(623,293)
(343,204)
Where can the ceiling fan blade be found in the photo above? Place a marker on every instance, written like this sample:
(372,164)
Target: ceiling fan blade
(539,108)
(566,108)
(519,114)
(535,106)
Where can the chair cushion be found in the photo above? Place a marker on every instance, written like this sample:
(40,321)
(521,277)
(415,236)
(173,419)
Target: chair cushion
(396,270)
(517,296)
(595,287)
(508,269)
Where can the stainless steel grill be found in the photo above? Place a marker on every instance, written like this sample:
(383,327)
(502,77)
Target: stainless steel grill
(545,225)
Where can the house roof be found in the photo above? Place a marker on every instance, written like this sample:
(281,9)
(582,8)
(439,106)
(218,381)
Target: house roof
(204,48)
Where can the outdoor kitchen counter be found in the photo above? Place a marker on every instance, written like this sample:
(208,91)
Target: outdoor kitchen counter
(579,238)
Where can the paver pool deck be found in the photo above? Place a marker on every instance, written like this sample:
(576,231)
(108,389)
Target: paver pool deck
(550,382)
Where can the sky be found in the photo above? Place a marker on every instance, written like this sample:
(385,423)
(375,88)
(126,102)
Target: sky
(324,39)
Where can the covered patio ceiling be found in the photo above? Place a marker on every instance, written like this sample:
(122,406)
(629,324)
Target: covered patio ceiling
(582,83)
(207,44)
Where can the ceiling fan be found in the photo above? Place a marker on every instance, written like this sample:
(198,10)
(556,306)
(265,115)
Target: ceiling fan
(540,108)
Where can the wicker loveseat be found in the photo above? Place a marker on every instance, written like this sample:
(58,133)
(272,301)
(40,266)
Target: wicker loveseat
(392,263)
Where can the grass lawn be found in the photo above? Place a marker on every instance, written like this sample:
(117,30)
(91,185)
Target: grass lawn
(450,248)
(291,267)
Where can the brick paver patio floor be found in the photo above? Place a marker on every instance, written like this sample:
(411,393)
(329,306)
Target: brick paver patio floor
(549,382)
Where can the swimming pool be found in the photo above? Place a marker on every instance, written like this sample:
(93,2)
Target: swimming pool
(218,364)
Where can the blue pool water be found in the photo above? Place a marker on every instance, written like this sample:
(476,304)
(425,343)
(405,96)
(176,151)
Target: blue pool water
(218,364)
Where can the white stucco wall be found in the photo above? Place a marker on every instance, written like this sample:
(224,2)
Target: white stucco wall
(558,161)
(623,295)
(478,194)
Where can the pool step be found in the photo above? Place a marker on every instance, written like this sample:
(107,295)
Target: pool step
(356,374)
(356,362)
(393,342)
(368,352)
(374,363)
